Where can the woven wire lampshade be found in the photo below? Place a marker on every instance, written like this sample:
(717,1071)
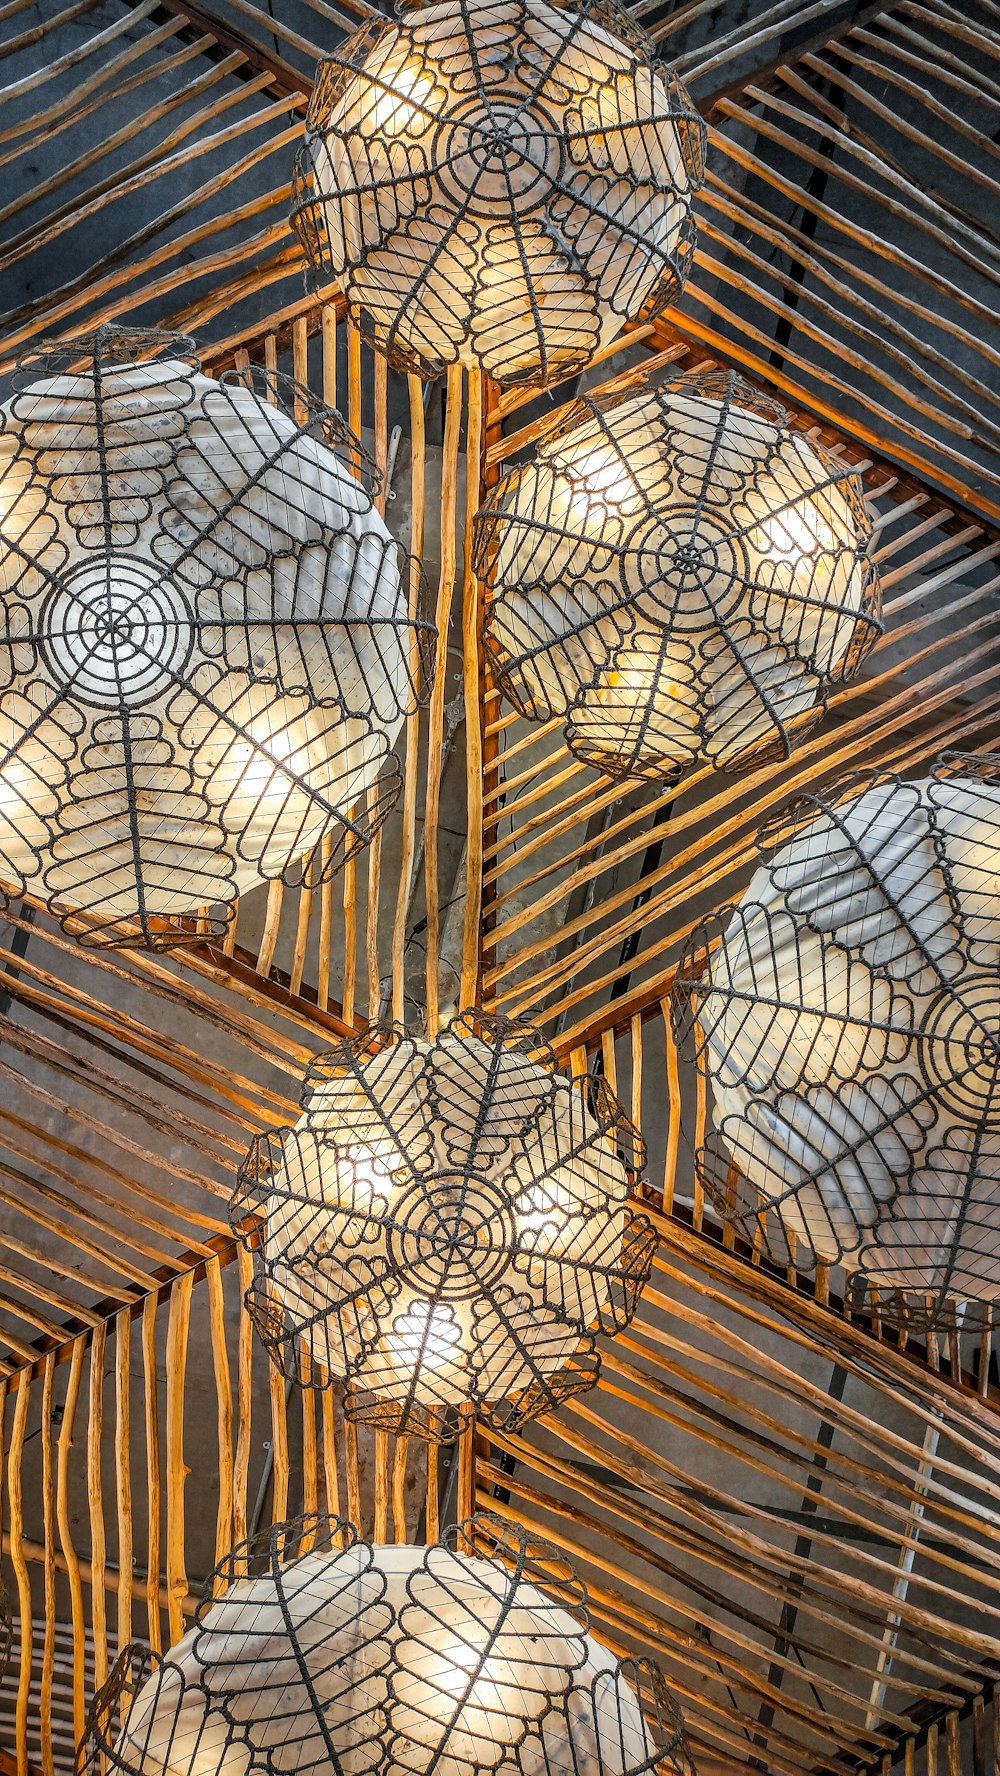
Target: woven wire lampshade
(678,577)
(501,183)
(849,1020)
(206,650)
(446,1224)
(324,1654)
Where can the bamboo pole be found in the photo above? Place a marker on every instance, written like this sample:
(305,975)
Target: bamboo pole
(151,1417)
(95,1500)
(442,624)
(16,1508)
(71,1561)
(123,1470)
(178,1327)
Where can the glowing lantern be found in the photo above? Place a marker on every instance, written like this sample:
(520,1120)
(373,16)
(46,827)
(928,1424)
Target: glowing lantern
(205,646)
(850,1022)
(370,1661)
(500,182)
(446,1223)
(677,576)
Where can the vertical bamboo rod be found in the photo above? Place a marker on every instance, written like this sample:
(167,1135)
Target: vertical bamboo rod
(279,1446)
(151,1401)
(331,1477)
(609,1058)
(98,1546)
(371,914)
(432,1519)
(49,1530)
(178,1327)
(224,1403)
(310,1472)
(123,1473)
(435,746)
(329,354)
(350,890)
(409,799)
(466,1466)
(66,1535)
(20,1565)
(381,429)
(325,923)
(381,1486)
(399,1489)
(471,984)
(353,1473)
(700,1119)
(244,1402)
(272,920)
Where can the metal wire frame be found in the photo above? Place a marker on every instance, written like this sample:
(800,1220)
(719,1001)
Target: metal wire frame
(315,1651)
(445,1226)
(499,182)
(205,642)
(678,577)
(847,1012)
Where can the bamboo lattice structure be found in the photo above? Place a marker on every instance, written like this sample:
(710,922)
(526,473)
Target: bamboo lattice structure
(787,1499)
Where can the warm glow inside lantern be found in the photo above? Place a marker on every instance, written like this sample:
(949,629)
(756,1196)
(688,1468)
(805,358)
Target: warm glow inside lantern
(206,650)
(678,577)
(324,1654)
(501,183)
(850,1022)
(447,1223)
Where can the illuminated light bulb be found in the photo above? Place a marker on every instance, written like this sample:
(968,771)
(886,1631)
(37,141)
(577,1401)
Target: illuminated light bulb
(314,1651)
(496,1241)
(400,95)
(221,645)
(678,577)
(797,533)
(440,143)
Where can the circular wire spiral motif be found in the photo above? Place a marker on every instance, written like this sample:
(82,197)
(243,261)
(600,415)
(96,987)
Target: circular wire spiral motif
(205,646)
(848,1014)
(677,576)
(324,1654)
(446,1223)
(501,183)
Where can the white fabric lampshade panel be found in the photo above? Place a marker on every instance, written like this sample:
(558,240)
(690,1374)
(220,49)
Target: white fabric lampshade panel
(446,1223)
(380,1661)
(679,577)
(851,1028)
(206,647)
(501,183)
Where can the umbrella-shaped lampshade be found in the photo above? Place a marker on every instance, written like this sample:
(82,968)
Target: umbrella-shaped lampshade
(206,650)
(850,1023)
(331,1655)
(501,183)
(447,1223)
(678,577)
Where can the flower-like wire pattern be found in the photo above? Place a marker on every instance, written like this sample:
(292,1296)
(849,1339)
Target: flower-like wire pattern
(321,1653)
(678,577)
(848,1014)
(501,183)
(206,645)
(446,1224)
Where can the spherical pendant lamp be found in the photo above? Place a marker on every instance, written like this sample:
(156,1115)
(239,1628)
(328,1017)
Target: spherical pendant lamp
(206,651)
(324,1654)
(678,577)
(446,1224)
(850,1024)
(501,183)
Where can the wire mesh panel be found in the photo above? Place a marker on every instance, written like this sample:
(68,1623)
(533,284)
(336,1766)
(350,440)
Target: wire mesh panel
(206,644)
(849,1018)
(500,182)
(446,1223)
(325,1653)
(678,577)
